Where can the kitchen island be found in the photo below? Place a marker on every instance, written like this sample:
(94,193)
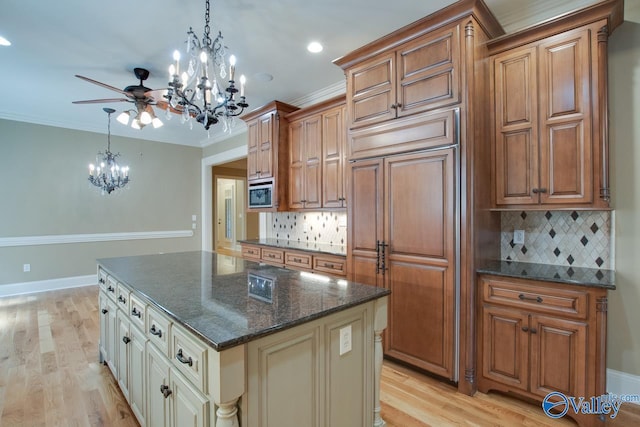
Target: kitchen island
(198,338)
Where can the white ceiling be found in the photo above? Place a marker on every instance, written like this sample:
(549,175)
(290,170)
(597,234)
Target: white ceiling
(54,40)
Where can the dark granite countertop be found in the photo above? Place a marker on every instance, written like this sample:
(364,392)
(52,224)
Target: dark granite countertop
(324,248)
(228,301)
(551,273)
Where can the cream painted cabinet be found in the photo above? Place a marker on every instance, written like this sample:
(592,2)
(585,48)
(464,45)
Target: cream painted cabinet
(158,378)
(136,363)
(122,356)
(188,407)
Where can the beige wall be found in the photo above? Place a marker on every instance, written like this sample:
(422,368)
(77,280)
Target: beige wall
(624,91)
(44,191)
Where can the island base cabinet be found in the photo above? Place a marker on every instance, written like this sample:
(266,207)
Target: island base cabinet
(305,377)
(172,400)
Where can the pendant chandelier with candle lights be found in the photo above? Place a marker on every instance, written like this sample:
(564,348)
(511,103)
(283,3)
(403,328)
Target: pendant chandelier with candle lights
(107,174)
(199,92)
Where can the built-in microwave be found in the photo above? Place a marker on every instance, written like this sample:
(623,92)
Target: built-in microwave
(261,196)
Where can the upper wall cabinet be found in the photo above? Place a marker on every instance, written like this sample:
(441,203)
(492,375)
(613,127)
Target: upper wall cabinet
(549,104)
(317,156)
(268,149)
(420,75)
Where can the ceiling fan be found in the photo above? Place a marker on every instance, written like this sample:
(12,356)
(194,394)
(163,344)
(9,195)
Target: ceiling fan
(141,96)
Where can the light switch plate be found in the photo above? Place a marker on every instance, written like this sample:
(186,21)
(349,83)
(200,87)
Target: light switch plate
(518,237)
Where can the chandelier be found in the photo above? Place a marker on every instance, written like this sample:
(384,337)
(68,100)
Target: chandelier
(107,174)
(197,92)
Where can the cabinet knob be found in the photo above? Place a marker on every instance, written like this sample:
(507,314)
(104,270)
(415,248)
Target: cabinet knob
(533,330)
(525,329)
(105,311)
(126,339)
(110,288)
(165,390)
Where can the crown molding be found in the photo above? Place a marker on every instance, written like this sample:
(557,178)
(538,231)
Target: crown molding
(331,91)
(534,12)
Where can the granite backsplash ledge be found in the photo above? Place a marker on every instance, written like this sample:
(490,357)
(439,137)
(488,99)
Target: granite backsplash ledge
(564,238)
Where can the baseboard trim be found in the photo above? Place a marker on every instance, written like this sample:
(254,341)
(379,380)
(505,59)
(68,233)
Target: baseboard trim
(88,238)
(622,383)
(47,285)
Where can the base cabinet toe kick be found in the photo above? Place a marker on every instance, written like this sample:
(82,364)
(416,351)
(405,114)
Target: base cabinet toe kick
(324,372)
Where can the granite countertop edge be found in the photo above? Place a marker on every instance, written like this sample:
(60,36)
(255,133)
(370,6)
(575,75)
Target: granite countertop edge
(580,276)
(323,248)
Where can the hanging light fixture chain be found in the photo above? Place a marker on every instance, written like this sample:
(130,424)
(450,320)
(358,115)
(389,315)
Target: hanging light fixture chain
(206,40)
(109,133)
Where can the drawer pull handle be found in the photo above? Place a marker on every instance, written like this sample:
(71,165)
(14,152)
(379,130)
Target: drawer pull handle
(156,332)
(526,298)
(110,288)
(297,260)
(122,299)
(183,359)
(136,313)
(105,311)
(165,390)
(533,330)
(328,265)
(126,339)
(102,281)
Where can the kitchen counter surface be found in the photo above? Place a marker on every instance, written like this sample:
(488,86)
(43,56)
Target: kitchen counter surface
(228,301)
(324,248)
(551,273)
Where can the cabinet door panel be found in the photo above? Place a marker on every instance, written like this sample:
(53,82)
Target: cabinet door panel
(190,408)
(371,91)
(112,338)
(122,350)
(365,220)
(428,72)
(558,356)
(253,151)
(514,95)
(104,324)
(419,231)
(158,375)
(566,171)
(296,165)
(505,348)
(333,158)
(265,145)
(313,162)
(137,383)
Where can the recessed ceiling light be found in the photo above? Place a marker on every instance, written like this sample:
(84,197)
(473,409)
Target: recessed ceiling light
(4,42)
(314,47)
(263,77)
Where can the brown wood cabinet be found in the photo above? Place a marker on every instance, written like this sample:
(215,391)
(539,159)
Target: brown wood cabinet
(550,111)
(538,337)
(268,150)
(419,184)
(317,156)
(402,228)
(420,75)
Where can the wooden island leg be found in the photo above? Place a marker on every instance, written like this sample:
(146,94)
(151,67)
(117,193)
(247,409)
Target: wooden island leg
(379,325)
(227,414)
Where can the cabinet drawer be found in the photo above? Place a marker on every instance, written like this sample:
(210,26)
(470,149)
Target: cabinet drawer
(122,297)
(298,260)
(137,311)
(190,357)
(111,288)
(251,252)
(535,296)
(330,264)
(273,256)
(158,329)
(102,279)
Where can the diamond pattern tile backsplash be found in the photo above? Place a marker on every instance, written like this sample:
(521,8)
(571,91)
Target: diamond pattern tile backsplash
(322,227)
(578,238)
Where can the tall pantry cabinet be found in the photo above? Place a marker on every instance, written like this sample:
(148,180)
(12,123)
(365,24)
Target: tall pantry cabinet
(418,183)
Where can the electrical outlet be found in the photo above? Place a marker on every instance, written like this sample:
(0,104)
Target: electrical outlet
(342,221)
(345,340)
(305,228)
(26,268)
(194,218)
(193,226)
(518,237)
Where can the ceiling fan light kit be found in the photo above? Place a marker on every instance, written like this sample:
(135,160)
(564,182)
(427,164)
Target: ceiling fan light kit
(197,95)
(107,174)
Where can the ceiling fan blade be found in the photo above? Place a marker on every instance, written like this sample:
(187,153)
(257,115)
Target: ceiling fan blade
(156,94)
(104,85)
(165,106)
(98,101)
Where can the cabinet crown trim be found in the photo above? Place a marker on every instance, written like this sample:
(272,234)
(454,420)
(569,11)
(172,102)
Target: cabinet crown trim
(267,108)
(320,107)
(438,19)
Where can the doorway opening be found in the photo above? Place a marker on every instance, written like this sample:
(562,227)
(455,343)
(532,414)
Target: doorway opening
(231,222)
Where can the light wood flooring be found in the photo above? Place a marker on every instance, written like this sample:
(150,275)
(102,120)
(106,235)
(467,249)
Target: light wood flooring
(50,376)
